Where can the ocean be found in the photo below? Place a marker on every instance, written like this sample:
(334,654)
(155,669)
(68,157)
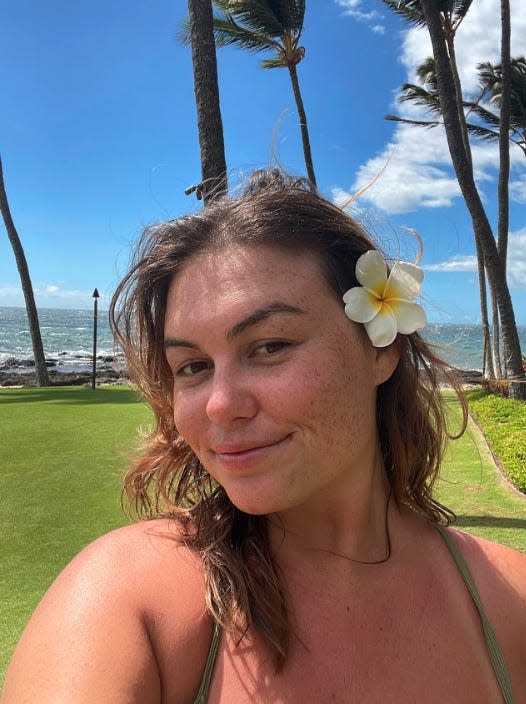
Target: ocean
(67,336)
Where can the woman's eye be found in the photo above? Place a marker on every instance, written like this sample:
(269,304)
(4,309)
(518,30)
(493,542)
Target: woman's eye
(192,368)
(270,348)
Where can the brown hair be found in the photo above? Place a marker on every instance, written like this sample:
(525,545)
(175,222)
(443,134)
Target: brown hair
(243,586)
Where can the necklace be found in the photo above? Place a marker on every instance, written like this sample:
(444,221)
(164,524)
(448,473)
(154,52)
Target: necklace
(352,559)
(387,541)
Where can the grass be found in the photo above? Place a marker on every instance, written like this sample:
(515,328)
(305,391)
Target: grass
(63,452)
(62,457)
(469,484)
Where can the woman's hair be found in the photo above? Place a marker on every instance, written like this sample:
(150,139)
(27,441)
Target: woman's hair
(242,581)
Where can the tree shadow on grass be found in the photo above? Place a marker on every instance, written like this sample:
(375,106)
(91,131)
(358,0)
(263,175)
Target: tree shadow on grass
(489,522)
(71,395)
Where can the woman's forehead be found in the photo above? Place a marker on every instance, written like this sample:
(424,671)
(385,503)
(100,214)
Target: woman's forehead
(236,280)
(256,266)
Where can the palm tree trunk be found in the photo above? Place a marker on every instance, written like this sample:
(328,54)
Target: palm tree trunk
(504,146)
(488,370)
(504,161)
(497,362)
(458,92)
(303,123)
(481,226)
(27,288)
(488,366)
(210,125)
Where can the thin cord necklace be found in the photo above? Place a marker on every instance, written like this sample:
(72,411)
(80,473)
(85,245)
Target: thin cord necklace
(387,541)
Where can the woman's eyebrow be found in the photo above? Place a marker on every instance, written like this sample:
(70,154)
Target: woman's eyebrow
(256,317)
(261,314)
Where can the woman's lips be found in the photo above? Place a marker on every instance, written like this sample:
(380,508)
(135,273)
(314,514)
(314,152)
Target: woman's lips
(242,454)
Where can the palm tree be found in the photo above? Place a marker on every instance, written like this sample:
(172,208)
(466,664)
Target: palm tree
(491,85)
(213,164)
(451,14)
(489,127)
(490,81)
(453,116)
(27,288)
(269,25)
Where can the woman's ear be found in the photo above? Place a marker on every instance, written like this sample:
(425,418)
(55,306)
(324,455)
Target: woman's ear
(386,361)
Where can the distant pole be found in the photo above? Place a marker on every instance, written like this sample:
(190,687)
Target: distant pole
(94,372)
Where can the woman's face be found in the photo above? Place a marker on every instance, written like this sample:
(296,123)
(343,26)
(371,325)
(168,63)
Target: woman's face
(274,388)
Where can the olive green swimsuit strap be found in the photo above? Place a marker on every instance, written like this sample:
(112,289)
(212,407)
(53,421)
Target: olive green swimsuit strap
(202,694)
(495,653)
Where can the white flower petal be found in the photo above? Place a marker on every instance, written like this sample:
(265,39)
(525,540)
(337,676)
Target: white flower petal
(409,316)
(371,272)
(360,305)
(382,328)
(404,281)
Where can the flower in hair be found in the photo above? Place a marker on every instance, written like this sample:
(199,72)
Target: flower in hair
(385,304)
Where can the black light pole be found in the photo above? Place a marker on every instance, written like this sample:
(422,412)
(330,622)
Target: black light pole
(94,372)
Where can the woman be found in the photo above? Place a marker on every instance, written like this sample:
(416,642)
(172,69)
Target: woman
(298,554)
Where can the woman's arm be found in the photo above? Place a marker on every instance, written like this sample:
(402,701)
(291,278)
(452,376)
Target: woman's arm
(91,638)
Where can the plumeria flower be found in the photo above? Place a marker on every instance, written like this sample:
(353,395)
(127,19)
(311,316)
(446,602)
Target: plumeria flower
(384,304)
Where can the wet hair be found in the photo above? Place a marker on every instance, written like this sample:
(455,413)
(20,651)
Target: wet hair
(243,587)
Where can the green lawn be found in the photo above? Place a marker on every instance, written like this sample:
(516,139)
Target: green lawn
(63,452)
(484,502)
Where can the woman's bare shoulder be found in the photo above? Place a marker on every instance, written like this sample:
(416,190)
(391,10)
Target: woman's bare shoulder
(500,576)
(99,632)
(493,561)
(155,545)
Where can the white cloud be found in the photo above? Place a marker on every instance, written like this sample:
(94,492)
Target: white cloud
(516,263)
(48,295)
(518,189)
(419,172)
(459,262)
(369,17)
(416,173)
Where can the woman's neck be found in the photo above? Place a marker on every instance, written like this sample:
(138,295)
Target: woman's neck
(350,521)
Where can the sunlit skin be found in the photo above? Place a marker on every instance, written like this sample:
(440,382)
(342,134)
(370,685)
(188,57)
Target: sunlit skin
(275,391)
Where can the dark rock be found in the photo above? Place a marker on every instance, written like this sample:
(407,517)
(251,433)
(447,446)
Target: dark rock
(56,378)
(9,362)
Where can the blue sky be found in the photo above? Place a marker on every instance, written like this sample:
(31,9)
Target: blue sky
(98,138)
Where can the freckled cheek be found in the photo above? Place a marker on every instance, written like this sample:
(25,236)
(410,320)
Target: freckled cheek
(189,419)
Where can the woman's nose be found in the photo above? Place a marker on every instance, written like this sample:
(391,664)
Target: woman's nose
(231,398)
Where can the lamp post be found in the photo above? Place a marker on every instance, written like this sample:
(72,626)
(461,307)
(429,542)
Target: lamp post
(94,371)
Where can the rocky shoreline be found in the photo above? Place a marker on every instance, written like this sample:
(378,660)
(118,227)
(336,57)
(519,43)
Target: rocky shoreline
(20,373)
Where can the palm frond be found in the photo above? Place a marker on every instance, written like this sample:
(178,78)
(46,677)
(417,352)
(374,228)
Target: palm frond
(490,80)
(426,72)
(460,9)
(482,113)
(410,10)
(482,132)
(183,33)
(416,123)
(228,32)
(255,15)
(412,93)
(274,62)
(289,13)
